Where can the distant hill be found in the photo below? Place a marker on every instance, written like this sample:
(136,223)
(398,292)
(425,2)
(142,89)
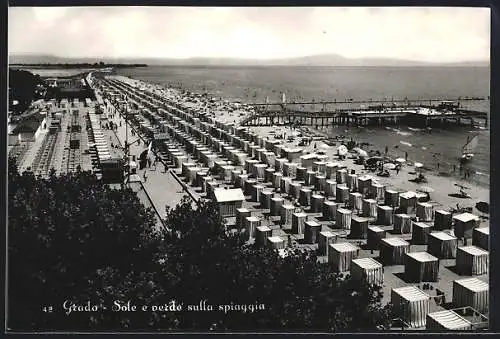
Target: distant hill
(325,60)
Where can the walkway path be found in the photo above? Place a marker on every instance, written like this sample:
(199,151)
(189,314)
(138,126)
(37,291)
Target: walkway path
(162,187)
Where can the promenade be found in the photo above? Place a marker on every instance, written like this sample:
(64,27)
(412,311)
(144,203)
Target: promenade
(162,187)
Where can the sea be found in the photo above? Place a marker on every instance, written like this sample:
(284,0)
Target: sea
(440,146)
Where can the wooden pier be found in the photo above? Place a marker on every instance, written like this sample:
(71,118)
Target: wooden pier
(413,115)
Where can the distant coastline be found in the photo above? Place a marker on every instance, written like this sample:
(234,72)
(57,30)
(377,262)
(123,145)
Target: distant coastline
(76,65)
(312,61)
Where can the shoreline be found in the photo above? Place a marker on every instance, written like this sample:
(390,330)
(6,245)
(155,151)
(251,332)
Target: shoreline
(442,185)
(330,132)
(439,172)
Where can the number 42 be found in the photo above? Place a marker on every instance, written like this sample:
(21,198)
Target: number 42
(47,309)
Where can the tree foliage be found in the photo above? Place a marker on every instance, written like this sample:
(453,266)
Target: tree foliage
(72,237)
(23,86)
(67,235)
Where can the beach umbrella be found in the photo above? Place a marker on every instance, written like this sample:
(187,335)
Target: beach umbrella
(373,160)
(342,150)
(361,152)
(389,166)
(425,189)
(483,207)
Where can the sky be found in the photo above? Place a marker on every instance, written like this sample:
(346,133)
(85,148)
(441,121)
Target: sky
(434,34)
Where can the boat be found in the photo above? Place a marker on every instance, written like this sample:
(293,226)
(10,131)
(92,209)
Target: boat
(468,148)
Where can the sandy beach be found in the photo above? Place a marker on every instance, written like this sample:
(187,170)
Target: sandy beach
(230,113)
(394,275)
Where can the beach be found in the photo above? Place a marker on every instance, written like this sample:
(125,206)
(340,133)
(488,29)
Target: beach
(442,191)
(248,85)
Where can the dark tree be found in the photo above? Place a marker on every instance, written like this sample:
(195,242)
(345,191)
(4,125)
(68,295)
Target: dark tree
(72,238)
(23,85)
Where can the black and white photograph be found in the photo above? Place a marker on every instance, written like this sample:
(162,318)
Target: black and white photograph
(183,169)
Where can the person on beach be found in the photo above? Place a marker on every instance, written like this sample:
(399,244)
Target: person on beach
(165,168)
(406,156)
(398,167)
(386,150)
(145,176)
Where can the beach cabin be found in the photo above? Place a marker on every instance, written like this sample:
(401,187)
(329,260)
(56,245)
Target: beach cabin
(411,304)
(305,196)
(325,239)
(241,215)
(464,224)
(293,154)
(263,233)
(369,208)
(340,255)
(311,231)
(425,211)
(329,209)
(442,245)
(265,199)
(391,198)
(286,213)
(342,193)
(228,200)
(268,175)
(317,203)
(359,227)
(276,204)
(471,292)
(300,173)
(364,184)
(367,270)
(255,191)
(343,218)
(298,222)
(407,202)
(330,188)
(446,321)
(356,201)
(385,215)
(393,251)
(290,169)
(421,266)
(248,186)
(374,235)
(307,160)
(442,220)
(472,260)
(276,242)
(480,238)
(420,233)
(252,223)
(295,187)
(402,223)
(331,170)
